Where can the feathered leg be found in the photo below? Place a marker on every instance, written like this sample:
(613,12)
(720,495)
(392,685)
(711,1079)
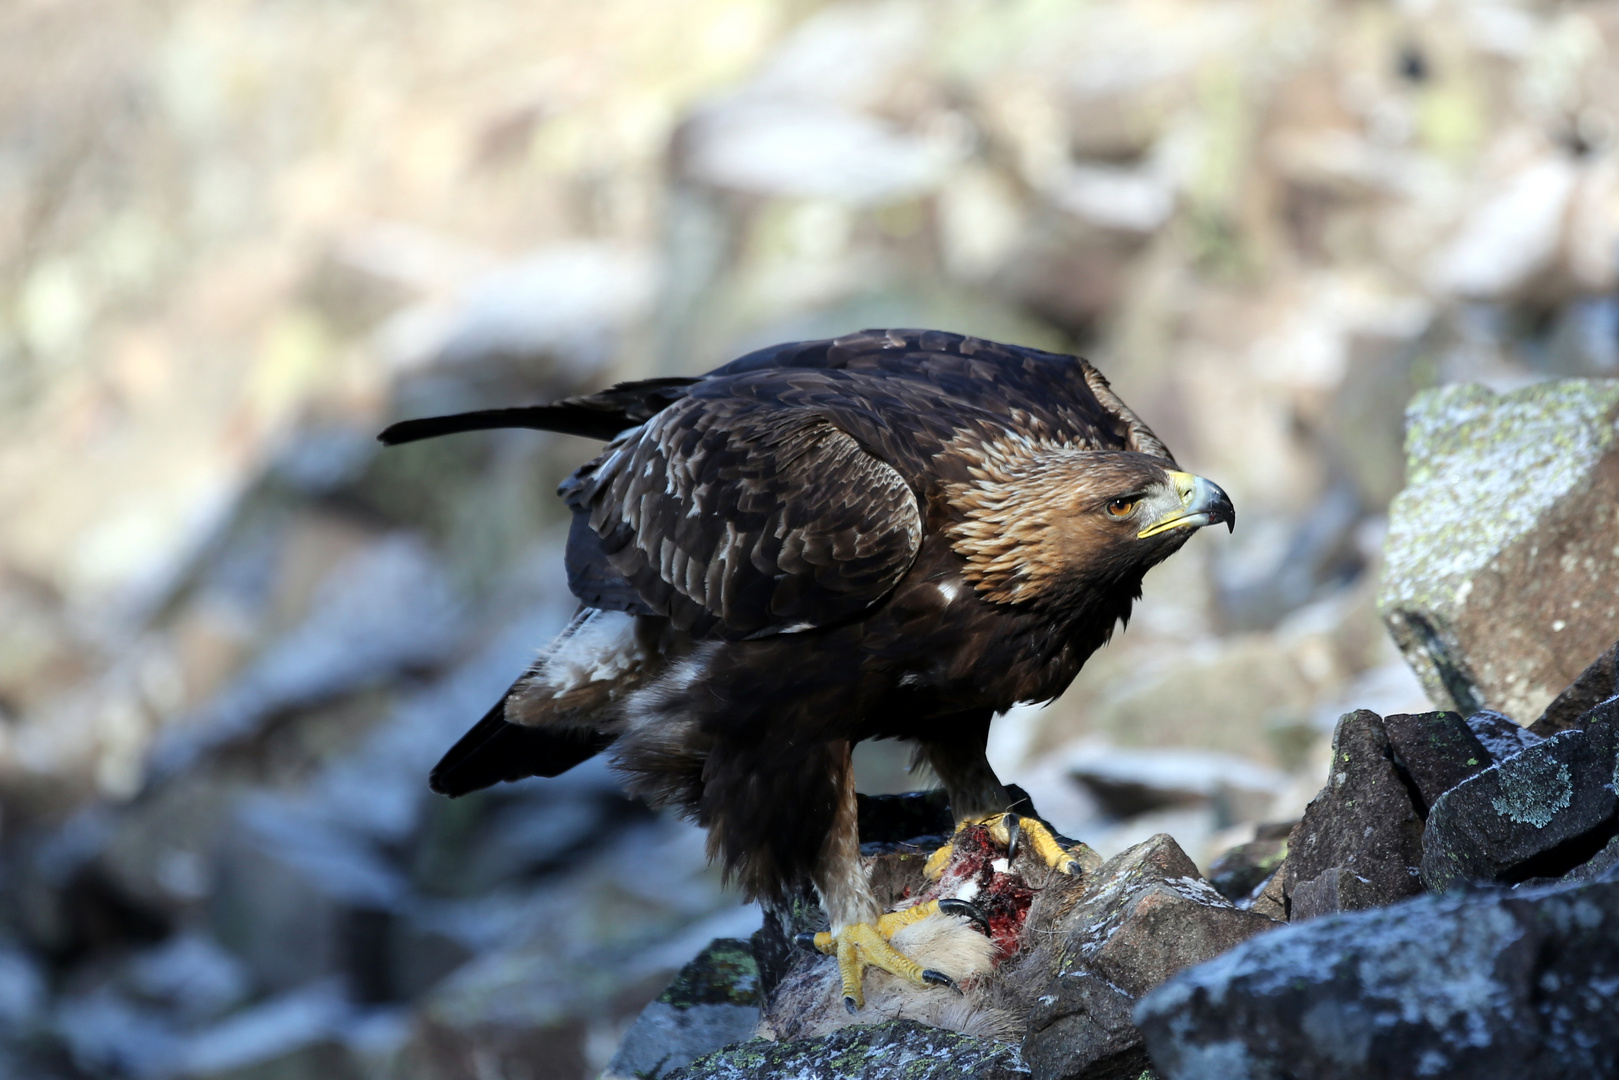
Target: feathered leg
(860,931)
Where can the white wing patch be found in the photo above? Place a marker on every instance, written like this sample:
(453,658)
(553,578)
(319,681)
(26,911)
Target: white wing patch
(602,647)
(597,647)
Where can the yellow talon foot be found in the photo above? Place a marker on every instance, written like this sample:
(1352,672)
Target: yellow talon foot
(888,925)
(862,945)
(933,869)
(1013,831)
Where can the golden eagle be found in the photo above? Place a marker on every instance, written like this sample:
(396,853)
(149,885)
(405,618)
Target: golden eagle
(890,535)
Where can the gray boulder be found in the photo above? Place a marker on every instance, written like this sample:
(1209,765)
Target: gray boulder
(1081,1027)
(1437,750)
(1147,915)
(1360,842)
(1510,985)
(1491,553)
(896,1050)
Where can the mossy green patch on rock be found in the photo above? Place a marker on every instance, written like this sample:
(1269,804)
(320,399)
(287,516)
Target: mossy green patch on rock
(724,973)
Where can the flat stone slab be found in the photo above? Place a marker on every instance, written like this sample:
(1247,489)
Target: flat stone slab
(1597,683)
(1501,985)
(1501,735)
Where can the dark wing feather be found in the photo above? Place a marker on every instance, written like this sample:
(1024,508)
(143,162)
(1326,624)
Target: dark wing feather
(495,751)
(595,416)
(740,516)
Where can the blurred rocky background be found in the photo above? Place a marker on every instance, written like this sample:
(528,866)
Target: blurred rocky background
(237,238)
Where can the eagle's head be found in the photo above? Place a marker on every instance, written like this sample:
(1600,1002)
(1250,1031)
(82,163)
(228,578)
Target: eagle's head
(1063,521)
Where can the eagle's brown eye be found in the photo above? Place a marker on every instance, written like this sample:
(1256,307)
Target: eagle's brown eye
(1121,507)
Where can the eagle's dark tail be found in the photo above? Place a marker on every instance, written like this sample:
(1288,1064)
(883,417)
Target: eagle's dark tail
(495,750)
(595,416)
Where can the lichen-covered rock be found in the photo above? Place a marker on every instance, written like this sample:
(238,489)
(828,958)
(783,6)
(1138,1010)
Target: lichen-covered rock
(1492,546)
(896,1050)
(1494,986)
(1360,842)
(1437,750)
(1148,915)
(712,1003)
(1526,816)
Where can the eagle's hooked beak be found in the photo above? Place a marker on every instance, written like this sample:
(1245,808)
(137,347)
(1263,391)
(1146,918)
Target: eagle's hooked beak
(1202,503)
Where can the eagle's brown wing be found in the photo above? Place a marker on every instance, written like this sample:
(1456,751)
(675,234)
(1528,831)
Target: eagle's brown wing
(1015,387)
(739,516)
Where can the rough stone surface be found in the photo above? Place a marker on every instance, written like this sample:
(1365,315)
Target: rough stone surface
(1490,553)
(1501,735)
(712,1003)
(1148,915)
(1510,985)
(1270,898)
(1363,823)
(897,1050)
(1603,866)
(1241,870)
(1594,685)
(1437,750)
(1081,1027)
(1535,815)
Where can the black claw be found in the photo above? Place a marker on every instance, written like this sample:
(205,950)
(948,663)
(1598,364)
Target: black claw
(1014,832)
(1074,869)
(807,939)
(966,910)
(848,1002)
(939,978)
